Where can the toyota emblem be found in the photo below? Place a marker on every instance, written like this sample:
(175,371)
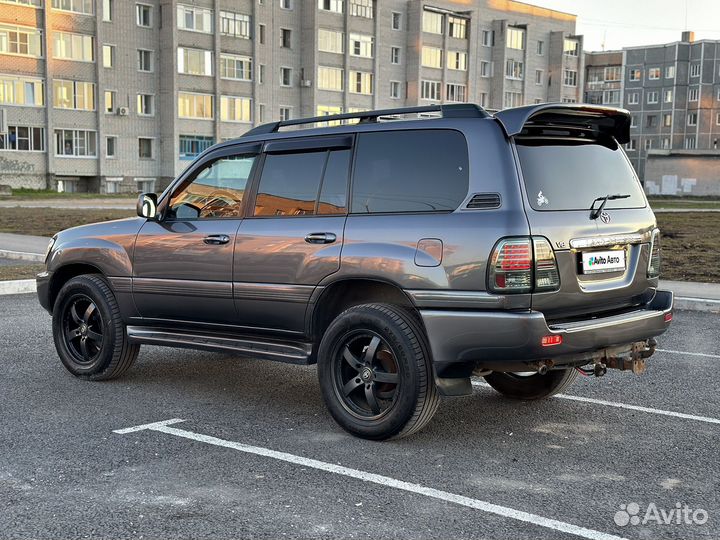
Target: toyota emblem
(605,217)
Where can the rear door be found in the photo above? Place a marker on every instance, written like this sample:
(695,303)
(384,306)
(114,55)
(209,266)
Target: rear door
(293,234)
(602,255)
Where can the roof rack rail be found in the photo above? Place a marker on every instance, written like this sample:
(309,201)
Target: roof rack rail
(458,110)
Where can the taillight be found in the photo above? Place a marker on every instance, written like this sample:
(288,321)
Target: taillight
(653,270)
(521,265)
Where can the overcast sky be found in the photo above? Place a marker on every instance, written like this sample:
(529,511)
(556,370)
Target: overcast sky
(625,23)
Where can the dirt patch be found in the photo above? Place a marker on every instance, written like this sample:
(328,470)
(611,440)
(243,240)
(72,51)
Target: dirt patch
(22,271)
(48,221)
(690,246)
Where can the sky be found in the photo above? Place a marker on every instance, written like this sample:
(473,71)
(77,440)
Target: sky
(627,23)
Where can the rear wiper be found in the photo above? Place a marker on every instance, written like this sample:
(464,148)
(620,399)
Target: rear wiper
(595,212)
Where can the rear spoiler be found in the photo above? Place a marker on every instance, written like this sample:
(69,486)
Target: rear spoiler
(603,120)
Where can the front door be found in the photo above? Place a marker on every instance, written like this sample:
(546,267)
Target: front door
(183,263)
(292,237)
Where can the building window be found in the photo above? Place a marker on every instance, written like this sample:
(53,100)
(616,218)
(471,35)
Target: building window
(235,24)
(652,97)
(487,38)
(145,185)
(285,38)
(571,47)
(108,56)
(569,77)
(23,139)
(538,76)
(457,60)
(145,60)
(238,68)
(667,120)
(21,91)
(261,73)
(112,185)
(107,10)
(430,90)
(261,34)
(635,74)
(73,95)
(717,119)
(455,93)
(670,72)
(483,101)
(235,109)
(692,119)
(328,110)
(195,106)
(654,74)
(433,22)
(145,148)
(396,20)
(76,6)
(330,78)
(362,45)
(394,55)
(633,98)
(540,50)
(648,144)
(512,99)
(195,62)
(690,143)
(457,27)
(331,41)
(75,143)
(143,15)
(514,69)
(361,82)
(486,69)
(336,6)
(650,120)
(21,41)
(110,146)
(195,19)
(109,102)
(361,8)
(146,105)
(695,70)
(631,146)
(192,146)
(633,120)
(286,4)
(261,112)
(611,97)
(515,38)
(68,46)
(666,143)
(395,89)
(33,3)
(285,113)
(668,96)
(432,57)
(285,76)
(693,94)
(612,73)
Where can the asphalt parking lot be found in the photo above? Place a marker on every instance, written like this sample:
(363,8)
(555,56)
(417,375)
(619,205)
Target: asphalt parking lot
(257,456)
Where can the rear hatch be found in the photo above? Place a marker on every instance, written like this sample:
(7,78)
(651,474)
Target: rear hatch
(570,159)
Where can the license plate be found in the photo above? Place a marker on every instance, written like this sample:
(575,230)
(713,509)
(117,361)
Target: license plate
(596,262)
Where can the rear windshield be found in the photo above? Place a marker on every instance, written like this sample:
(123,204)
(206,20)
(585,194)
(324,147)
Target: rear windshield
(566,174)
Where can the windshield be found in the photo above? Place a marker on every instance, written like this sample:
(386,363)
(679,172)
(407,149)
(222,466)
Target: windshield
(567,174)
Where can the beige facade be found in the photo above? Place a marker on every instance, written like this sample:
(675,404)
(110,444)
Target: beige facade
(120,95)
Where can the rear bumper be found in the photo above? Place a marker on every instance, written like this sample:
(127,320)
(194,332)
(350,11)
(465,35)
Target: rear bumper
(464,337)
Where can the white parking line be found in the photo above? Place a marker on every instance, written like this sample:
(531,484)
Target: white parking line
(504,511)
(671,351)
(624,406)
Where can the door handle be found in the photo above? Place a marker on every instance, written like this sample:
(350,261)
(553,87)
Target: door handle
(320,238)
(216,239)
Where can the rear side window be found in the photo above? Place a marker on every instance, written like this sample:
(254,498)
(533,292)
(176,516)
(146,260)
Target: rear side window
(567,174)
(410,171)
(304,183)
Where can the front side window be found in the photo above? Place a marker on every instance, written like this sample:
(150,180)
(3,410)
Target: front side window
(216,192)
(410,171)
(290,184)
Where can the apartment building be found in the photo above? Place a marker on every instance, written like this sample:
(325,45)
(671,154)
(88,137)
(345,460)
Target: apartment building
(120,95)
(604,78)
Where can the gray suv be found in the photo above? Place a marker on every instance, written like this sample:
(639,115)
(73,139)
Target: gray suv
(402,255)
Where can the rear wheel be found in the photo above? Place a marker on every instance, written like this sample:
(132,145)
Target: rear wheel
(375,372)
(89,334)
(531,386)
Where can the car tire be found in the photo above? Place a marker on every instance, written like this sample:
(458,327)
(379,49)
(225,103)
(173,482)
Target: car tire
(529,387)
(375,372)
(89,333)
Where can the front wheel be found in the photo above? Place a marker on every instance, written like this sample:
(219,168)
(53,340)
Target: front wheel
(375,372)
(89,334)
(529,386)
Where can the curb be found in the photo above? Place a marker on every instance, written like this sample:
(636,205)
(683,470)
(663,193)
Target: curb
(21,256)
(696,304)
(17,286)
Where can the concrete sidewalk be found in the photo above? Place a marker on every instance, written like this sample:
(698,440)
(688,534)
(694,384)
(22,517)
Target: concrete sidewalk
(23,247)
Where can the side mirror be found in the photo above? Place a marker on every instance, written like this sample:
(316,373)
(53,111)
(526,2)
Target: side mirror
(147,206)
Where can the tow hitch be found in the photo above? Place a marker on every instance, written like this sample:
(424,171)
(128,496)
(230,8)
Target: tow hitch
(632,360)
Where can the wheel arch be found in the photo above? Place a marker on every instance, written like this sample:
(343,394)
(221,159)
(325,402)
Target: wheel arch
(65,273)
